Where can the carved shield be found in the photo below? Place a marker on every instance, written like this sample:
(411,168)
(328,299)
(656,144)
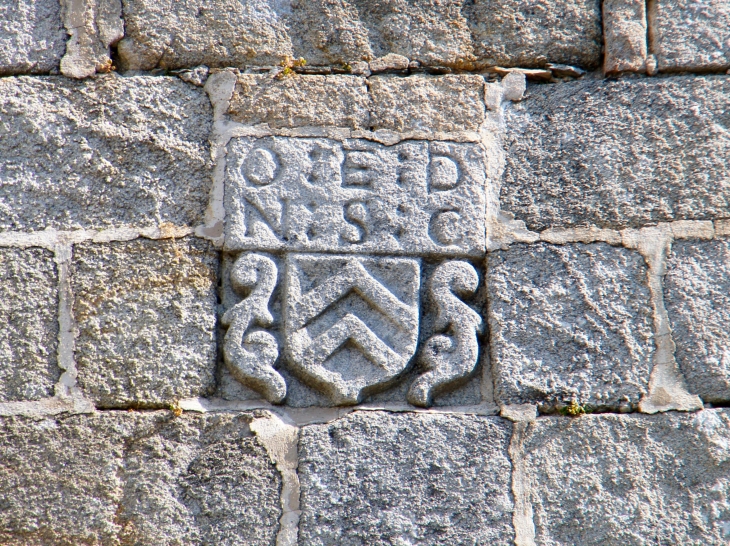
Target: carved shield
(351,323)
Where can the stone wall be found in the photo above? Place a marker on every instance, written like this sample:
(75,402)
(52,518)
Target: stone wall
(342,272)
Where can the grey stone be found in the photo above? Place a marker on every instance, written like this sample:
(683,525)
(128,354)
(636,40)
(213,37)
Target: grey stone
(618,153)
(145,313)
(514,86)
(451,356)
(624,29)
(533,33)
(432,32)
(29,331)
(697,298)
(136,478)
(568,324)
(93,26)
(301,101)
(379,478)
(690,35)
(66,159)
(416,197)
(628,480)
(32,37)
(351,323)
(418,103)
(186,33)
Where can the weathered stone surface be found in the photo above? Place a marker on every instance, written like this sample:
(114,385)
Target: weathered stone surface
(624,30)
(569,323)
(533,33)
(146,320)
(67,158)
(379,478)
(29,331)
(614,480)
(433,32)
(93,26)
(301,101)
(185,33)
(437,103)
(697,298)
(690,35)
(618,153)
(32,37)
(136,478)
(416,197)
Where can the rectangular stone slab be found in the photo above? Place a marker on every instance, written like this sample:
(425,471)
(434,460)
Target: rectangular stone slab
(28,324)
(145,312)
(618,153)
(321,195)
(32,36)
(105,152)
(570,323)
(136,478)
(697,298)
(689,35)
(630,480)
(379,478)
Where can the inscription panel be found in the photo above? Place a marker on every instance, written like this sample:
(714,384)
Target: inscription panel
(321,195)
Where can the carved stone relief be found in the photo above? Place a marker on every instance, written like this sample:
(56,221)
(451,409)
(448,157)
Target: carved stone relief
(320,195)
(349,224)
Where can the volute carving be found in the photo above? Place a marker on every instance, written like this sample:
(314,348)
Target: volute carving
(250,354)
(450,357)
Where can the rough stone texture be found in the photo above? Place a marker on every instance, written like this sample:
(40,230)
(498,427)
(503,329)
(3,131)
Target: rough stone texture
(440,103)
(532,33)
(610,480)
(185,33)
(301,101)
(146,320)
(697,298)
(29,331)
(117,478)
(690,35)
(66,160)
(433,32)
(624,30)
(416,197)
(378,478)
(32,37)
(618,153)
(569,323)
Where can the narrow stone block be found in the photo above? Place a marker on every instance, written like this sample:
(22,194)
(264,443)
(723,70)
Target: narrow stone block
(106,152)
(617,153)
(624,31)
(136,478)
(697,298)
(186,33)
(29,324)
(570,323)
(301,101)
(379,478)
(630,479)
(320,195)
(32,37)
(532,33)
(437,103)
(690,35)
(145,313)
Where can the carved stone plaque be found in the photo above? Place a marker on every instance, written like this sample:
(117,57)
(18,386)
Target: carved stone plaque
(351,323)
(321,195)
